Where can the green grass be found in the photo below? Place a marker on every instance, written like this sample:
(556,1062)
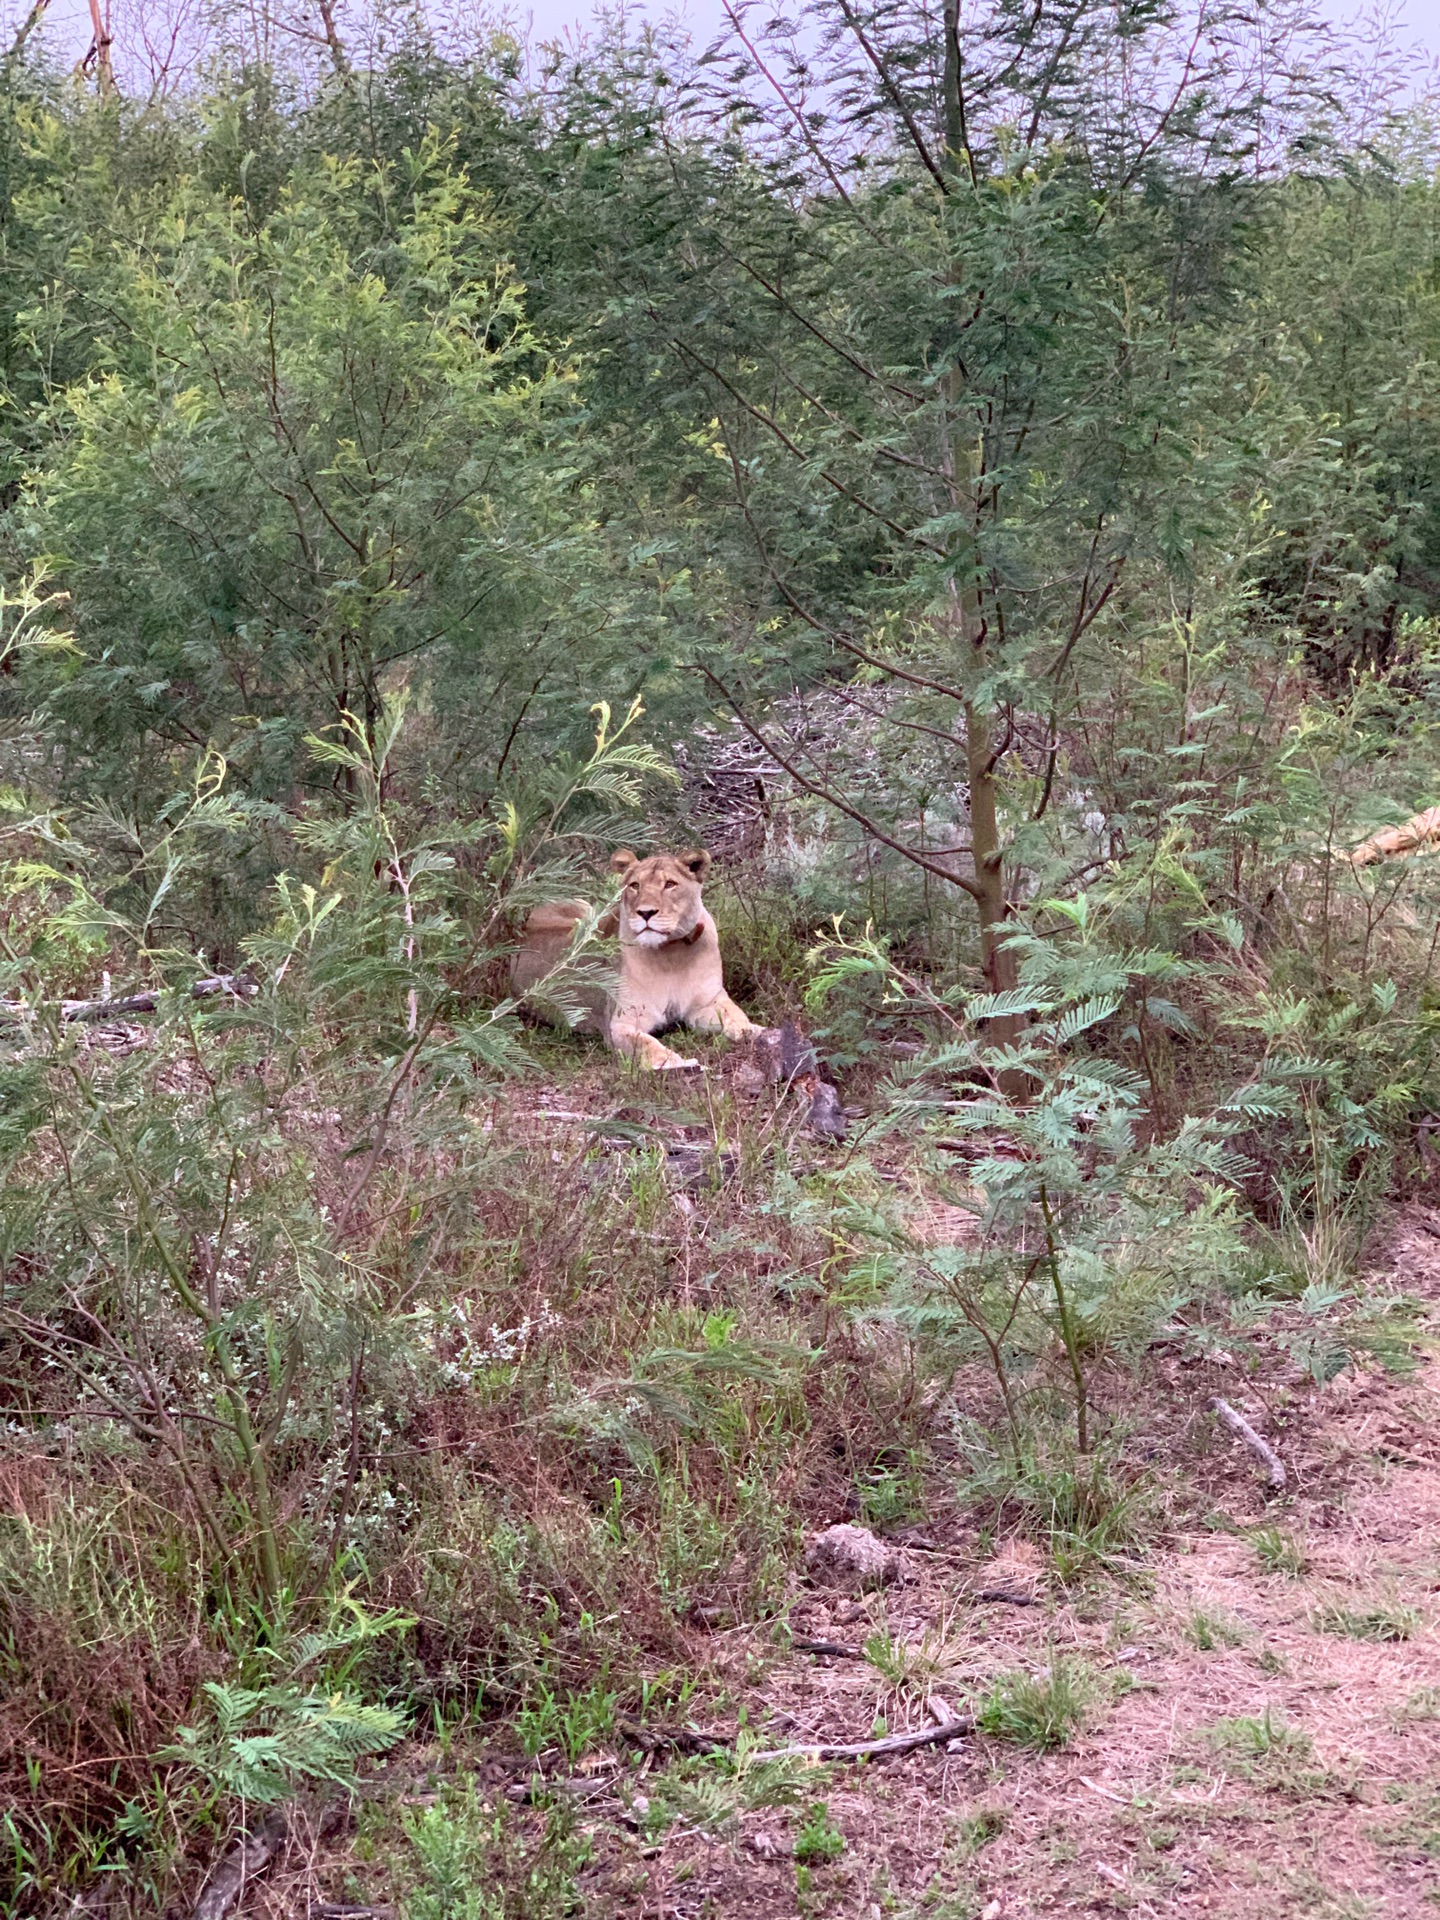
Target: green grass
(1041,1710)
(1268,1752)
(1279,1552)
(913,1667)
(1414,1826)
(712,1793)
(1089,1520)
(466,1859)
(978,1829)
(1210,1631)
(1421,1704)
(1390,1620)
(576,1723)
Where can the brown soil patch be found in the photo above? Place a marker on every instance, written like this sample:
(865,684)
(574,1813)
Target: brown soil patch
(1151,1811)
(1146,1814)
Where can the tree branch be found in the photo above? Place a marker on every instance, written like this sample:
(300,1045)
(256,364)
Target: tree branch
(833,799)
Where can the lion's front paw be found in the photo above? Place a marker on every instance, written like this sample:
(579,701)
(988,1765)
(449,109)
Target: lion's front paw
(676,1064)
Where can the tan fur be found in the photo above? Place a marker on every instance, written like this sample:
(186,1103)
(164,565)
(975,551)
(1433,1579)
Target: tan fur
(670,971)
(1415,835)
(544,943)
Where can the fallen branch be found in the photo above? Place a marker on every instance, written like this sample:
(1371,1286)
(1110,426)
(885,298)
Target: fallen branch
(832,1648)
(136,1002)
(874,1749)
(1241,1428)
(1418,834)
(666,1739)
(788,1058)
(562,1786)
(240,1866)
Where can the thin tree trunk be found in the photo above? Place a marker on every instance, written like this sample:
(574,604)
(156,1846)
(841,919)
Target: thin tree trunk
(27,27)
(997,962)
(338,58)
(100,50)
(961,465)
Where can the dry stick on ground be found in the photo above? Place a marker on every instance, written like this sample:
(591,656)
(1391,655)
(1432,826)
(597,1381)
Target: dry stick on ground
(687,1740)
(872,1749)
(137,1002)
(1241,1428)
(251,1856)
(660,1739)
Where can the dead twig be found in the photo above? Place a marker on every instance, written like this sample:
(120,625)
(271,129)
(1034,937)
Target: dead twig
(136,1002)
(562,1786)
(832,1648)
(1241,1428)
(873,1749)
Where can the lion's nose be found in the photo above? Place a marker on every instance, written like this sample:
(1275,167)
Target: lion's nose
(646,913)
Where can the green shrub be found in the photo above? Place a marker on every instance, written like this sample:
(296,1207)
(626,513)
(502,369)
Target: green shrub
(468,1860)
(1042,1710)
(819,1839)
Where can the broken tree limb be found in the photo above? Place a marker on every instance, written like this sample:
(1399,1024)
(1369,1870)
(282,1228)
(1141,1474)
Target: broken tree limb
(788,1058)
(147,1002)
(240,1866)
(873,1749)
(1241,1428)
(544,1787)
(667,1739)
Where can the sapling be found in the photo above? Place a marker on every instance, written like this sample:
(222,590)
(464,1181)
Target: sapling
(1088,1229)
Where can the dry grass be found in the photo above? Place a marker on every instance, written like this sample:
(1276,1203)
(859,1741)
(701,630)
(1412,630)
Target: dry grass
(600,1524)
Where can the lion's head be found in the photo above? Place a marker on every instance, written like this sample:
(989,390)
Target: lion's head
(660,897)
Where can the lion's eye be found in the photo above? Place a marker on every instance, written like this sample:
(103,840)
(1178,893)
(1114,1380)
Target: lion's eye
(634,887)
(669,886)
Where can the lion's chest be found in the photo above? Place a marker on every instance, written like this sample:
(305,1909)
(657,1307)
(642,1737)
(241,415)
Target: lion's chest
(667,984)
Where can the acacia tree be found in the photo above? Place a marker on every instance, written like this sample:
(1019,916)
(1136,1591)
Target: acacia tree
(325,454)
(952,322)
(1349,318)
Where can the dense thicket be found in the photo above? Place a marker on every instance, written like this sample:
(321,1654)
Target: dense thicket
(952,383)
(1016,430)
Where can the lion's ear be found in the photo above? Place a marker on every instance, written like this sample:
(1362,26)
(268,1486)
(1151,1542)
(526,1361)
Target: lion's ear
(698,862)
(621,860)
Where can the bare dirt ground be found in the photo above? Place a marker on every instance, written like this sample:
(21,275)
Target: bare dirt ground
(1151,1811)
(1263,1738)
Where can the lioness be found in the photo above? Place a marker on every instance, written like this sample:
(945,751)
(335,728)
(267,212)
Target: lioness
(1419,834)
(670,972)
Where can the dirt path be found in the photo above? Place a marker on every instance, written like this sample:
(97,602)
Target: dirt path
(1262,1739)
(1265,1739)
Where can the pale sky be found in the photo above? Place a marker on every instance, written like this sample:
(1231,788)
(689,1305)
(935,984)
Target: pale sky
(1419,19)
(67,24)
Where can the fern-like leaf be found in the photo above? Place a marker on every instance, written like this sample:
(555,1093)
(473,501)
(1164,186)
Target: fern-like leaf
(1077,1020)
